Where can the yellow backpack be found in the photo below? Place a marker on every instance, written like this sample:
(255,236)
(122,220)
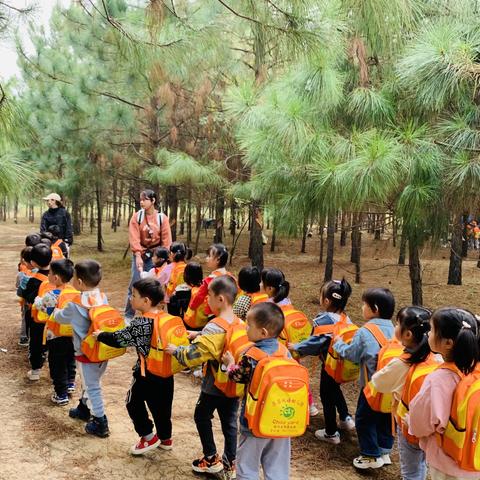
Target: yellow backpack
(276,404)
(297,326)
(67,295)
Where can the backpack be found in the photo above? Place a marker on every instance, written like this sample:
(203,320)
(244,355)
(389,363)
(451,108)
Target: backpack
(45,287)
(340,369)
(195,318)
(276,404)
(390,349)
(413,383)
(176,277)
(461,439)
(257,297)
(297,326)
(57,253)
(236,342)
(67,295)
(106,319)
(166,329)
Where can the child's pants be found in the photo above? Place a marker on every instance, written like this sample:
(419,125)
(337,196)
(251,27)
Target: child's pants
(157,394)
(412,459)
(332,400)
(227,411)
(374,429)
(36,349)
(438,475)
(91,375)
(61,361)
(23,324)
(273,454)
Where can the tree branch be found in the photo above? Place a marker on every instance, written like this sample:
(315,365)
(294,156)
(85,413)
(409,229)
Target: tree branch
(19,10)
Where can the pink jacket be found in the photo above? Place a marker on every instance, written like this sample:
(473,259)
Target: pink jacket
(138,235)
(429,414)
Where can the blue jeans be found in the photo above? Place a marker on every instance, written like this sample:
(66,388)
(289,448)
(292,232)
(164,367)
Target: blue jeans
(412,459)
(374,429)
(147,265)
(91,375)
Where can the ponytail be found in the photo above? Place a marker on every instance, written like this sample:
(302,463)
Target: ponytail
(274,278)
(180,252)
(337,292)
(417,321)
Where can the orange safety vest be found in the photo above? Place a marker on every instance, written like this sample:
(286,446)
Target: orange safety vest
(297,326)
(256,298)
(67,295)
(37,315)
(236,342)
(57,253)
(176,277)
(413,383)
(195,318)
(390,349)
(461,439)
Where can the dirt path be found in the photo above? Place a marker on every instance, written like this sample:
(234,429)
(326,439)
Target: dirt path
(40,441)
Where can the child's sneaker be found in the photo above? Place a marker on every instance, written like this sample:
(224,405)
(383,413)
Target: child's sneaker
(363,463)
(71,388)
(166,444)
(205,465)
(314,411)
(23,341)
(81,412)
(98,426)
(143,446)
(347,424)
(59,399)
(386,459)
(334,439)
(229,471)
(34,375)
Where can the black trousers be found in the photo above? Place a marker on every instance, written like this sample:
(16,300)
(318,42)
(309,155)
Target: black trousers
(61,361)
(332,400)
(36,349)
(227,409)
(156,393)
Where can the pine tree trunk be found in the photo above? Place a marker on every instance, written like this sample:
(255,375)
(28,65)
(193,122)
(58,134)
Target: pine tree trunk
(455,267)
(330,247)
(99,218)
(219,214)
(415,273)
(354,238)
(322,241)
(15,209)
(115,203)
(394,231)
(343,232)
(304,235)
(120,204)
(403,249)
(198,222)
(189,217)
(378,227)
(464,236)
(172,199)
(358,256)
(256,240)
(76,215)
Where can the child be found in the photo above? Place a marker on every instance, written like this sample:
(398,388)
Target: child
(208,348)
(59,247)
(454,334)
(374,429)
(32,239)
(411,330)
(147,390)
(249,282)
(194,319)
(162,266)
(61,359)
(40,258)
(217,257)
(25,271)
(87,275)
(264,324)
(333,299)
(176,286)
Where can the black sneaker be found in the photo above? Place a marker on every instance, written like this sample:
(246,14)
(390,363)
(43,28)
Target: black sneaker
(98,426)
(81,412)
(23,341)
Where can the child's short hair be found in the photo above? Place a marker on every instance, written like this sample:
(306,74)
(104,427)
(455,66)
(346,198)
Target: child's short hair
(416,320)
(224,285)
(47,235)
(193,274)
(249,279)
(220,252)
(63,268)
(26,254)
(180,251)
(150,288)
(162,253)
(32,239)
(89,272)
(46,241)
(55,231)
(41,254)
(269,316)
(274,278)
(338,292)
(380,300)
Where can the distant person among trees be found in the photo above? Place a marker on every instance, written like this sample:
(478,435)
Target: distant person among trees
(147,230)
(57,215)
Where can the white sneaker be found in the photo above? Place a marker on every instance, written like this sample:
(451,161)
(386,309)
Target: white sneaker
(386,459)
(33,375)
(347,424)
(334,439)
(364,463)
(314,411)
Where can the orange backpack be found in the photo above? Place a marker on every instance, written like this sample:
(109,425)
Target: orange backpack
(176,277)
(166,329)
(340,369)
(106,319)
(195,318)
(461,439)
(257,297)
(37,315)
(57,253)
(236,342)
(297,326)
(67,295)
(390,349)
(413,383)
(276,404)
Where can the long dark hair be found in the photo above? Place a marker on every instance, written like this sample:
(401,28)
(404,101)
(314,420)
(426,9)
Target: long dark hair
(274,278)
(417,321)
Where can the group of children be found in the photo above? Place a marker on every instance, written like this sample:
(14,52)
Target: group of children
(250,339)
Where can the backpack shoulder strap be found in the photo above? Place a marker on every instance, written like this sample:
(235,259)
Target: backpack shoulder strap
(377,333)
(140,216)
(40,276)
(255,353)
(222,323)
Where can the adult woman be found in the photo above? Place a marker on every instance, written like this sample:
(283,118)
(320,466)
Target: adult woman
(57,215)
(148,229)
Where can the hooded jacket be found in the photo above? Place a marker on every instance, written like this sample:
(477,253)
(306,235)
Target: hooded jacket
(58,216)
